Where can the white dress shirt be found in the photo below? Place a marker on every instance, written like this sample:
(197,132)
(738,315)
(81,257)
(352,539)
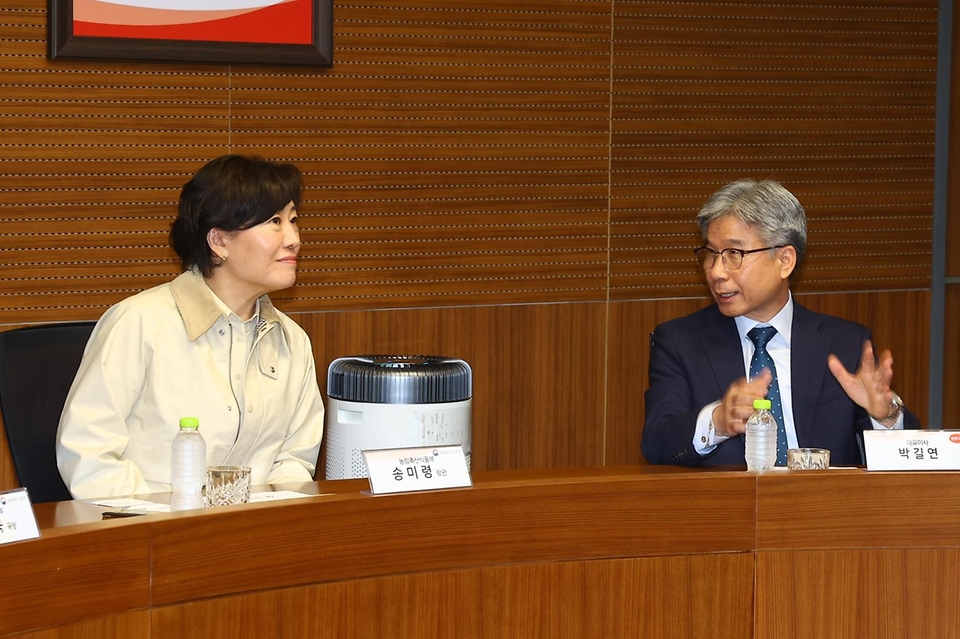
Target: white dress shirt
(705,439)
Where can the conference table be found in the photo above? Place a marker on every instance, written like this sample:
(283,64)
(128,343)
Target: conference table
(624,551)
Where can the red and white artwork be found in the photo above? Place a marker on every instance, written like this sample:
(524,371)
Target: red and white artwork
(245,21)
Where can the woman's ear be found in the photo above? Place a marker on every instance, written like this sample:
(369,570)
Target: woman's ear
(215,240)
(218,246)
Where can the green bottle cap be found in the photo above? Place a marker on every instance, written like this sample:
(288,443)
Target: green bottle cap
(189,422)
(757,404)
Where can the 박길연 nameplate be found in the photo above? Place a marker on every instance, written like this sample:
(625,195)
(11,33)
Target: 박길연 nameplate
(17,522)
(403,470)
(912,449)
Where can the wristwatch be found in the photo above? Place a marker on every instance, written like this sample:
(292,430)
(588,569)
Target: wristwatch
(896,408)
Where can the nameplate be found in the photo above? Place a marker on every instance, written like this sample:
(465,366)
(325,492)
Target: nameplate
(17,522)
(403,470)
(912,449)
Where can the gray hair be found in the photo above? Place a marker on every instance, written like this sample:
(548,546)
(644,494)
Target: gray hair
(765,206)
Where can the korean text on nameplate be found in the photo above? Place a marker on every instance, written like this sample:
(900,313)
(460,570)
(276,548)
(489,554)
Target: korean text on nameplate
(401,470)
(912,449)
(17,522)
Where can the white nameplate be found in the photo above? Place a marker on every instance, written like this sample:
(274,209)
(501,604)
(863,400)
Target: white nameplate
(403,470)
(912,449)
(16,517)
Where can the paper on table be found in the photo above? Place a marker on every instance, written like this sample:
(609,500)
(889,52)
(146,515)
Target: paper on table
(129,503)
(278,495)
(145,506)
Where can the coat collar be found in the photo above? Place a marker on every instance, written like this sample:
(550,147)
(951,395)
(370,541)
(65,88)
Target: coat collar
(200,311)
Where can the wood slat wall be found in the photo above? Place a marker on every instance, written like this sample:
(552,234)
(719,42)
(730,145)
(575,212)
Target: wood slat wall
(484,152)
(464,157)
(834,100)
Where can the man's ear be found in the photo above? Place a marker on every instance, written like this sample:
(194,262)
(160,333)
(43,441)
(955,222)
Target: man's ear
(788,261)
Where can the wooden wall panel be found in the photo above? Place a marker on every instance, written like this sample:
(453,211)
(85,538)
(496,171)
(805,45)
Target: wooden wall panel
(837,102)
(630,325)
(483,152)
(454,154)
(464,163)
(8,475)
(538,372)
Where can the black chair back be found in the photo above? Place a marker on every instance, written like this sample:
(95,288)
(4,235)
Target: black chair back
(37,367)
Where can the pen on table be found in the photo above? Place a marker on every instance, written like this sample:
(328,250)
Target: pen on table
(119,514)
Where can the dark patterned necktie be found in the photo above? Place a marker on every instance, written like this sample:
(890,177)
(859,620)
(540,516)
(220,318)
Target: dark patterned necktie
(760,336)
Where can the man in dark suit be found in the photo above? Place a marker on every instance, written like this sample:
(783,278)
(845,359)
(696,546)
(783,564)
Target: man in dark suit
(701,394)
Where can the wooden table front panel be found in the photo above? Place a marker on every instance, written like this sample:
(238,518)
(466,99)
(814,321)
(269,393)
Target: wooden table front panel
(856,508)
(868,593)
(533,518)
(850,554)
(74,574)
(609,551)
(690,596)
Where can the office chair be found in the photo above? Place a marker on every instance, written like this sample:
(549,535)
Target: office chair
(37,367)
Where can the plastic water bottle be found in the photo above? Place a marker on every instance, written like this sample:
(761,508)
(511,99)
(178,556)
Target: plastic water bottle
(761,437)
(188,466)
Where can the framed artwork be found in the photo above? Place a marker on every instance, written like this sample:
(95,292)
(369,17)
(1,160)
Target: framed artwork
(268,32)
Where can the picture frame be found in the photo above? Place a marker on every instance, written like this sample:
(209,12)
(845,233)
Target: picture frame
(262,32)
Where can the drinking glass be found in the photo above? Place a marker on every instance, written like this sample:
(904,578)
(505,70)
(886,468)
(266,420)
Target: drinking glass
(227,485)
(808,459)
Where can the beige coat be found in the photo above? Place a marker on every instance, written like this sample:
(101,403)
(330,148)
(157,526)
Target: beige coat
(169,352)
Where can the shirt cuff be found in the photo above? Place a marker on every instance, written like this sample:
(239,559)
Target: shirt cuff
(705,439)
(897,425)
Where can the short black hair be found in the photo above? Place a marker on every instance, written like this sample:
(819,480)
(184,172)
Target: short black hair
(232,193)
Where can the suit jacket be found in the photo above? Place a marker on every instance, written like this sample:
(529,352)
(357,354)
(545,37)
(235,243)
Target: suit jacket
(694,359)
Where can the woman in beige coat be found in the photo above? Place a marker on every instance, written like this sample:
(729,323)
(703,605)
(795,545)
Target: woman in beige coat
(208,344)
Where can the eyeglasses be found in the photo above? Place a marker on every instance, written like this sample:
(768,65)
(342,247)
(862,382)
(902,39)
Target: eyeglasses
(732,258)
